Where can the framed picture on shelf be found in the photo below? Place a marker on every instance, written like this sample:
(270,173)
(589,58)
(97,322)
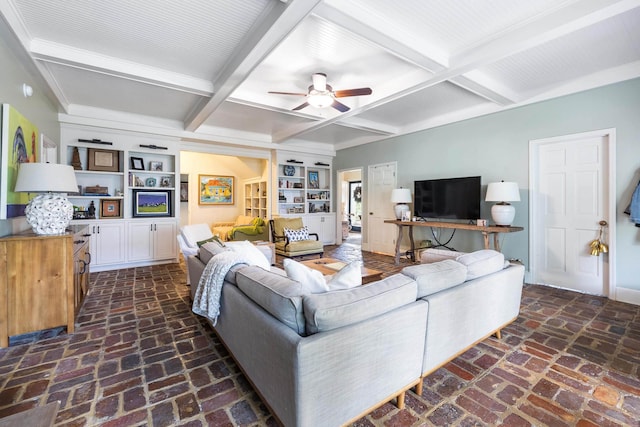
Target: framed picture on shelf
(137,163)
(313,179)
(155,166)
(166,181)
(103,160)
(216,190)
(298,200)
(150,203)
(110,208)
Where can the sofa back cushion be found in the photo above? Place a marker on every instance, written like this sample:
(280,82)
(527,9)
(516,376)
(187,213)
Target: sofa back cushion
(280,223)
(482,262)
(436,276)
(277,294)
(331,310)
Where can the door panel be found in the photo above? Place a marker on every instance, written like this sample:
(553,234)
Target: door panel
(567,206)
(381,236)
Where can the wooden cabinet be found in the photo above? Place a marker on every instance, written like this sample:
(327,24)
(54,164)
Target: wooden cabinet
(37,282)
(152,240)
(81,263)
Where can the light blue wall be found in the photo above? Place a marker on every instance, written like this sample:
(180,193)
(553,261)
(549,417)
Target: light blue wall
(496,147)
(17,69)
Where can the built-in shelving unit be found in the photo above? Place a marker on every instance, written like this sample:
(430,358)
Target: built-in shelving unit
(256,198)
(304,189)
(128,194)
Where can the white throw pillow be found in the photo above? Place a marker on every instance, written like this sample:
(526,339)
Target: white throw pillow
(297,235)
(310,279)
(248,249)
(348,277)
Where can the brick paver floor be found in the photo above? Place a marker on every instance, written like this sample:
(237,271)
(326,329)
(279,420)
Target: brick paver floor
(140,357)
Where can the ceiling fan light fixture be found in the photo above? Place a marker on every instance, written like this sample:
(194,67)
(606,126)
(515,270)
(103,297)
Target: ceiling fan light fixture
(320,99)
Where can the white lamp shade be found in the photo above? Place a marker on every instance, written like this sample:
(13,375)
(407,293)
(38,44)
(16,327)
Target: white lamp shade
(401,195)
(45,178)
(503,192)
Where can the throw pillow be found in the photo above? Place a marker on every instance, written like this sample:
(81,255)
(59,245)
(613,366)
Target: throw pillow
(209,250)
(252,253)
(311,280)
(348,277)
(297,235)
(214,239)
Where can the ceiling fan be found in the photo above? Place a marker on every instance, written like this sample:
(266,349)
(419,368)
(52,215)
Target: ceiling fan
(322,95)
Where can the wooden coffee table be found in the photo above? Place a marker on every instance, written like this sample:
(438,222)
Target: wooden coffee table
(324,266)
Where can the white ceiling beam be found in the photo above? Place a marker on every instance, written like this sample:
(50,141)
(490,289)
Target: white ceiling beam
(558,23)
(57,53)
(486,88)
(539,30)
(381,35)
(275,25)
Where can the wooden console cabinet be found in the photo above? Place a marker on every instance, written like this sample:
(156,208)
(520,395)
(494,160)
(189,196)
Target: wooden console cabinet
(38,280)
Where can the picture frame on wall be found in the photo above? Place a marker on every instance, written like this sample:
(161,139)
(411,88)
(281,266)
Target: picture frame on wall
(103,160)
(216,190)
(110,208)
(151,203)
(184,191)
(19,144)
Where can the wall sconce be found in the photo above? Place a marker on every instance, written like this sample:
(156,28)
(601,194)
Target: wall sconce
(27,90)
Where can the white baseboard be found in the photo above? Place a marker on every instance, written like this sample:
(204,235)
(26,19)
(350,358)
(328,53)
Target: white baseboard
(631,296)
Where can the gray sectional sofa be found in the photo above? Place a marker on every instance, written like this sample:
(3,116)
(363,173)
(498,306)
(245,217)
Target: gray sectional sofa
(328,359)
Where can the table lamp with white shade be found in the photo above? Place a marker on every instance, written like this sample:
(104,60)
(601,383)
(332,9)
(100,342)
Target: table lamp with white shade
(401,196)
(502,192)
(51,212)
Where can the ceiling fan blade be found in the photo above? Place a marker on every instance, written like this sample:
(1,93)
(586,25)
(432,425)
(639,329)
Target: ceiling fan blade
(353,92)
(301,106)
(288,93)
(340,106)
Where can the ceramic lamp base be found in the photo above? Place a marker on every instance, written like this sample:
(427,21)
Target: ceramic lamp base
(503,214)
(49,213)
(400,209)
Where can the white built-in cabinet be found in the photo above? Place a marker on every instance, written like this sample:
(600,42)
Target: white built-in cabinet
(134,188)
(304,188)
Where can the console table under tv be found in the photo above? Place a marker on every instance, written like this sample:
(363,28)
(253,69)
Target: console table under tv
(485,230)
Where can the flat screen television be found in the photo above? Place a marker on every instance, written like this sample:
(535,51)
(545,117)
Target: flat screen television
(449,198)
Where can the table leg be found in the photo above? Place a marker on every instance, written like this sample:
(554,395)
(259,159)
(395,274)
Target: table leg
(496,242)
(398,240)
(413,246)
(485,236)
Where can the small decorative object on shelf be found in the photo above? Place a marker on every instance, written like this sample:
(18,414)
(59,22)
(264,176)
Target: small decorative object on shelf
(91,211)
(289,170)
(150,182)
(75,159)
(155,166)
(165,181)
(96,190)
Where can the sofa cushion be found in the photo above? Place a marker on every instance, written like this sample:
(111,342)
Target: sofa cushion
(437,276)
(209,250)
(195,233)
(276,294)
(482,262)
(348,277)
(255,255)
(310,279)
(331,310)
(430,255)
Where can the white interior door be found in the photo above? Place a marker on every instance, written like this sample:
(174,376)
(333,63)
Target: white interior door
(380,236)
(570,190)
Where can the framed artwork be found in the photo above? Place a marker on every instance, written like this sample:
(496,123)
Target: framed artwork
(155,166)
(184,191)
(149,203)
(110,208)
(216,190)
(103,160)
(20,143)
(313,179)
(166,181)
(137,163)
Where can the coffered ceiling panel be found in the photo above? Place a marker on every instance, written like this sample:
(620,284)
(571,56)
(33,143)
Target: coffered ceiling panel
(204,69)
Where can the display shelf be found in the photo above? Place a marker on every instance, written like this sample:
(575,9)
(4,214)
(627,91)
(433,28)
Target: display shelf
(256,198)
(304,188)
